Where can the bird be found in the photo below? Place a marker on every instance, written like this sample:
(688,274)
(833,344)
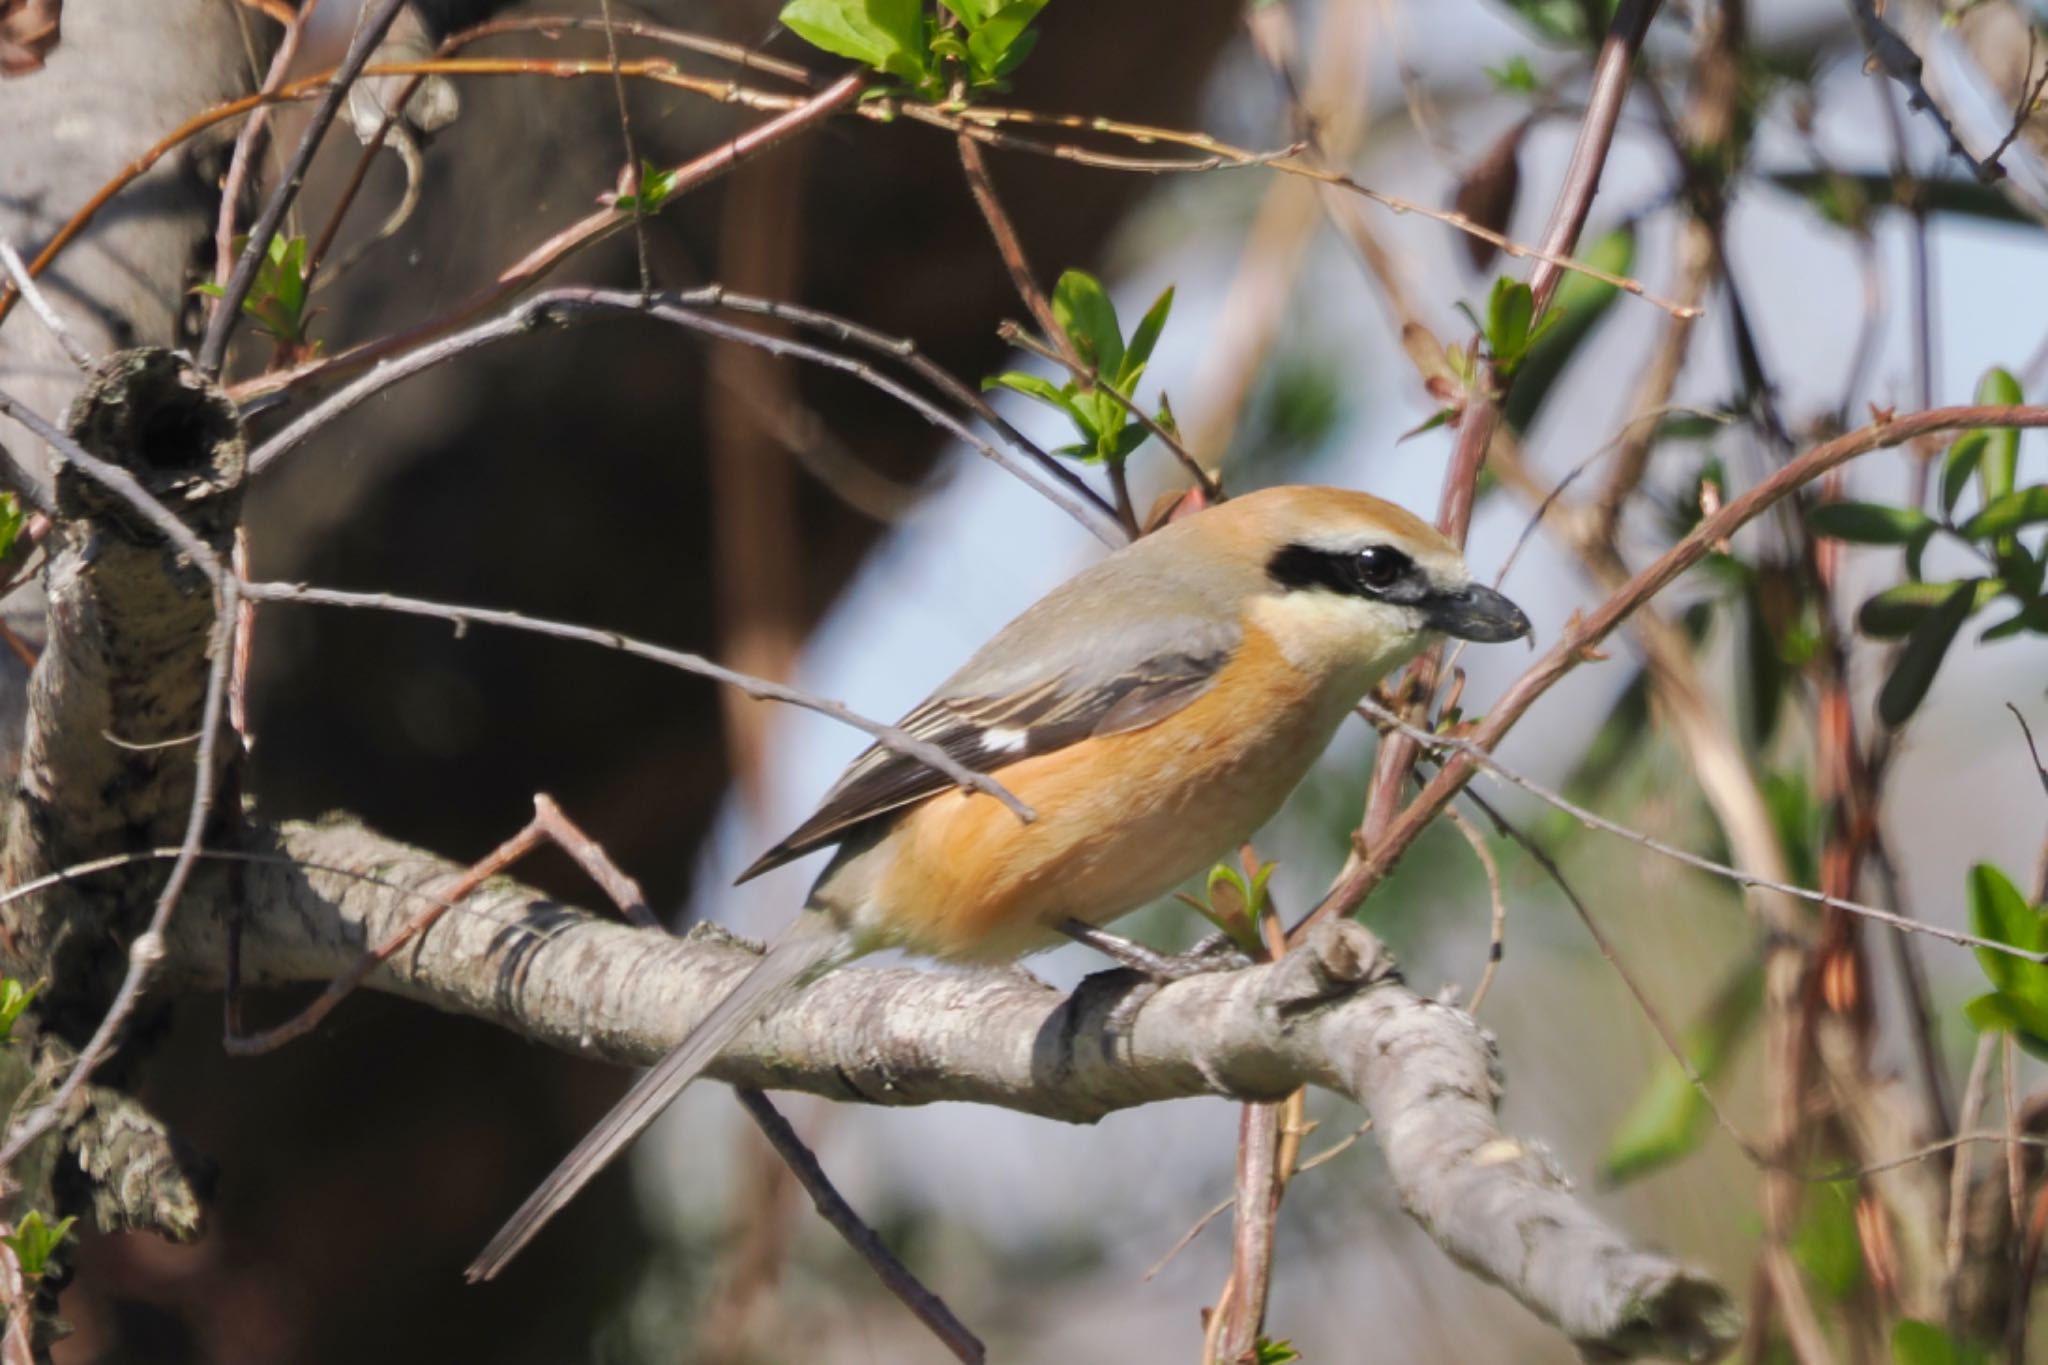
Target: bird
(1153,712)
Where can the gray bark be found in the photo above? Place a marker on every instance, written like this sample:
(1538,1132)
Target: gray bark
(1334,1014)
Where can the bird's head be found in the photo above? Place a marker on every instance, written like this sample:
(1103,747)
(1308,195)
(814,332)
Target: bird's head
(1353,585)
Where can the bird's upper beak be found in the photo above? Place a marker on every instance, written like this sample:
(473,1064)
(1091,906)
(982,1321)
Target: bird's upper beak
(1474,612)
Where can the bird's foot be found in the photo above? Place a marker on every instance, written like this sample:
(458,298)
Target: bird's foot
(1216,953)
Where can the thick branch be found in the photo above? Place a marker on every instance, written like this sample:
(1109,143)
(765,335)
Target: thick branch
(1334,1014)
(115,701)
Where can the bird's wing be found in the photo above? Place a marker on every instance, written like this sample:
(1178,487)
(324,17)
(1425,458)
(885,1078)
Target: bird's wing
(992,727)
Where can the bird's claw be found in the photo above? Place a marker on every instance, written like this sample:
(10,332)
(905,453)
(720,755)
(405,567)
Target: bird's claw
(1216,953)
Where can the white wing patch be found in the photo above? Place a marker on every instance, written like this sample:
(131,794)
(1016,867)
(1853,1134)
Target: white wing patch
(1002,739)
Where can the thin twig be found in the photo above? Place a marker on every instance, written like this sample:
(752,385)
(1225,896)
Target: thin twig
(548,825)
(1584,635)
(1011,249)
(930,1309)
(982,123)
(18,271)
(1667,1035)
(585,231)
(246,144)
(632,176)
(550,25)
(1482,413)
(2026,105)
(578,304)
(1892,54)
(2040,769)
(370,30)
(118,481)
(1959,1178)
(1496,942)
(1211,486)
(147,949)
(1485,760)
(463,617)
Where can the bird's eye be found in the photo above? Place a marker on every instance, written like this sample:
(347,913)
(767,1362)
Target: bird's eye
(1381,566)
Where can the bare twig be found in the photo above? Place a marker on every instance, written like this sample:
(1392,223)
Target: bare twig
(146,952)
(1959,1177)
(548,825)
(1589,630)
(930,1309)
(631,178)
(1211,486)
(1666,1035)
(1894,56)
(576,304)
(247,144)
(1330,1016)
(1496,942)
(1482,415)
(119,481)
(463,617)
(370,29)
(2040,769)
(593,227)
(1484,759)
(1011,249)
(18,271)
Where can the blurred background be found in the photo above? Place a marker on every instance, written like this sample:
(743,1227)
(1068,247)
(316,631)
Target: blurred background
(795,523)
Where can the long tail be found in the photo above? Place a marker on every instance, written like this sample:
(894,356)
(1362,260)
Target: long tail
(811,947)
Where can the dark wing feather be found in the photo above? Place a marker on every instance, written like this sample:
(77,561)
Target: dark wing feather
(987,733)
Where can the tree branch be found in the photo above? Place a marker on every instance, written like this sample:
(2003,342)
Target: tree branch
(1334,1014)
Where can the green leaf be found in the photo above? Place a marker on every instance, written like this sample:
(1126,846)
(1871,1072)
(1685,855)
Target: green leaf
(1578,305)
(994,42)
(887,35)
(33,1241)
(1236,911)
(1892,614)
(2005,514)
(1942,195)
(656,185)
(1516,77)
(1922,1343)
(1562,21)
(1922,654)
(2021,573)
(1510,309)
(2002,449)
(1144,339)
(1613,744)
(1998,911)
(1916,550)
(972,14)
(14,998)
(1014,55)
(2002,1013)
(1668,1119)
(1799,819)
(1867,523)
(2032,617)
(1045,391)
(1086,315)
(1268,1352)
(1963,458)
(1826,1243)
(12,519)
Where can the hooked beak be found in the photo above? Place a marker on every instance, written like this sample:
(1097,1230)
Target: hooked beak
(1474,612)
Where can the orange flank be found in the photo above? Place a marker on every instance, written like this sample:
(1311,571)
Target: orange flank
(968,883)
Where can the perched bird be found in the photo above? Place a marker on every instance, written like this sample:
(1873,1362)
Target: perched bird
(1153,711)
